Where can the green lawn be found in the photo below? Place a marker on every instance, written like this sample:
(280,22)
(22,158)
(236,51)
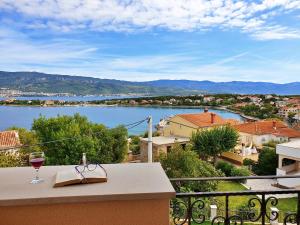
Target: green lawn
(287,204)
(235,202)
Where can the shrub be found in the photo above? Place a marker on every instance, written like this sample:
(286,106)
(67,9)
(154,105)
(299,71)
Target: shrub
(180,163)
(267,162)
(10,160)
(225,167)
(243,211)
(240,172)
(248,162)
(134,145)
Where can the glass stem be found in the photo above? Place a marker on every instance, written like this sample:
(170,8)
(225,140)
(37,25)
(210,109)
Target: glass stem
(37,174)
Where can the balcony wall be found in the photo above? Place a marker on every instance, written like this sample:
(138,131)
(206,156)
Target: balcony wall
(135,194)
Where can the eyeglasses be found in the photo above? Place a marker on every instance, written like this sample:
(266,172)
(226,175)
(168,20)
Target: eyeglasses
(81,169)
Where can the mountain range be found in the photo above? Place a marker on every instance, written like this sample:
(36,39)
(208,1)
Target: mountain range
(79,85)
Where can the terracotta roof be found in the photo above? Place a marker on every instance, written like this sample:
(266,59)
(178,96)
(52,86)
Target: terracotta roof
(205,119)
(287,132)
(277,128)
(9,139)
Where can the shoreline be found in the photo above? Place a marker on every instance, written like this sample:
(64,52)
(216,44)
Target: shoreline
(222,108)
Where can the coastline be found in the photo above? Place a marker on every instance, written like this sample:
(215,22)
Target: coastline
(222,108)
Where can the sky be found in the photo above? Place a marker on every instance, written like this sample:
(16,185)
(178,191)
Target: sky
(140,40)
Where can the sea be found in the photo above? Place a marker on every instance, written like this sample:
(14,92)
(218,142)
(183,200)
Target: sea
(111,116)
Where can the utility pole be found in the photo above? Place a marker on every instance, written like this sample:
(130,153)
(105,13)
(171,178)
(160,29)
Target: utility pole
(150,139)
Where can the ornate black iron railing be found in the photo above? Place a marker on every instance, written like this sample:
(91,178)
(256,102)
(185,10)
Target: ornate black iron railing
(191,208)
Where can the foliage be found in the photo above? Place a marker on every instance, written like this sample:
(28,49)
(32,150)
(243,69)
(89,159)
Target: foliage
(214,141)
(78,135)
(231,171)
(180,163)
(240,172)
(154,134)
(10,160)
(271,144)
(244,210)
(290,119)
(262,112)
(225,167)
(27,138)
(41,82)
(134,145)
(267,162)
(248,162)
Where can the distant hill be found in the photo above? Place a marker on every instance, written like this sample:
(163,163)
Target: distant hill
(41,82)
(233,87)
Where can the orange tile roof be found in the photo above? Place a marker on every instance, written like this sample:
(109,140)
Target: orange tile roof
(287,132)
(277,128)
(205,119)
(9,139)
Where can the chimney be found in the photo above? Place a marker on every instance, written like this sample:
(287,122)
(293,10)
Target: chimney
(274,125)
(205,109)
(212,118)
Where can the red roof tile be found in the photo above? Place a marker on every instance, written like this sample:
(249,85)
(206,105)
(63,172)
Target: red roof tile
(205,119)
(9,139)
(277,128)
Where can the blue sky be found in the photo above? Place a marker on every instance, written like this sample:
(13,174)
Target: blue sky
(138,40)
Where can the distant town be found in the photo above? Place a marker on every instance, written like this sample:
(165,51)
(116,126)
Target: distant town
(251,107)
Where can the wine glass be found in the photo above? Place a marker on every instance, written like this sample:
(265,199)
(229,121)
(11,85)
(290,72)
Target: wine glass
(36,159)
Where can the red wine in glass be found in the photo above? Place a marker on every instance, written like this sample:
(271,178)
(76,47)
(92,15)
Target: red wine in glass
(36,159)
(37,163)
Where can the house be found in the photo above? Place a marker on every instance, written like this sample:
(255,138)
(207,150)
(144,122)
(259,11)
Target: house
(268,96)
(160,145)
(144,102)
(158,102)
(166,102)
(208,99)
(49,103)
(188,100)
(288,163)
(285,111)
(254,134)
(133,102)
(173,100)
(183,125)
(295,101)
(9,140)
(10,100)
(281,103)
(261,132)
(255,99)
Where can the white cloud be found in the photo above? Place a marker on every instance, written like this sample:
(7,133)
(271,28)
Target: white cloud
(128,15)
(17,49)
(276,32)
(76,58)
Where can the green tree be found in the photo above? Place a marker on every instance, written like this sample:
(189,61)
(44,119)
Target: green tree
(290,118)
(134,145)
(267,162)
(212,142)
(180,163)
(77,136)
(27,138)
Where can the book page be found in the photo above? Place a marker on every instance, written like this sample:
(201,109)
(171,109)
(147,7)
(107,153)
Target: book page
(97,175)
(67,177)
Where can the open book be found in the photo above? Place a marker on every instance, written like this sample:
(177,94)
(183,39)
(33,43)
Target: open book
(71,176)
